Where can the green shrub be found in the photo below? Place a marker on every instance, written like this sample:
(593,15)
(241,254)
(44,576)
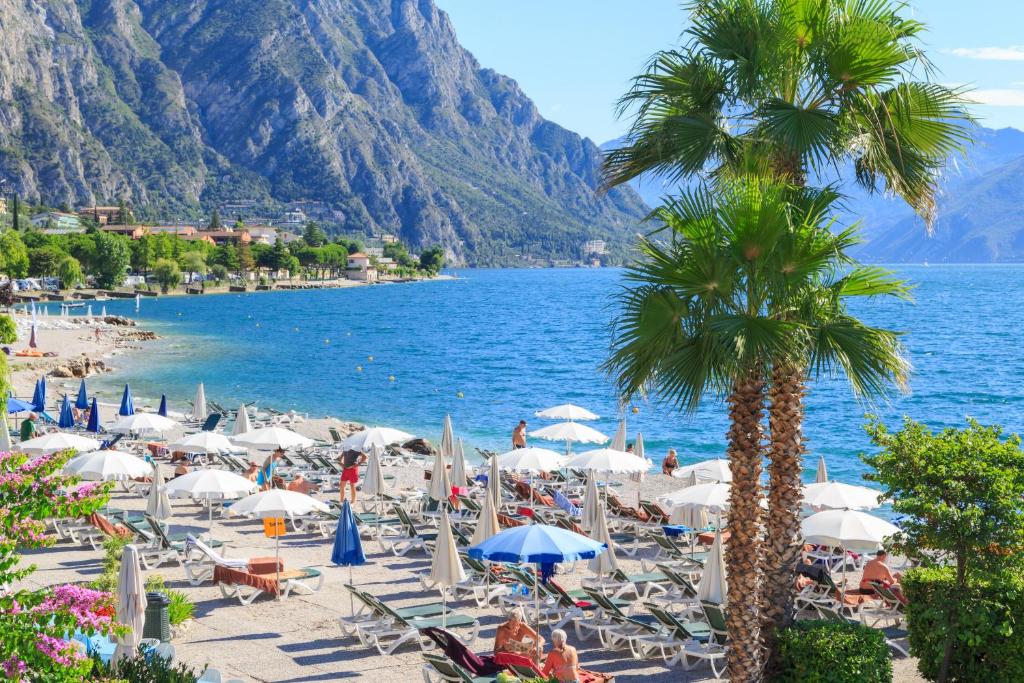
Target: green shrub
(113,546)
(180,608)
(8,330)
(143,669)
(987,618)
(832,652)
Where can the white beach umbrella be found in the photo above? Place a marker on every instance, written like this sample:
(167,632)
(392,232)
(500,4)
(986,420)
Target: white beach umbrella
(592,507)
(446,568)
(848,529)
(839,496)
(143,423)
(199,411)
(707,471)
(530,461)
(638,446)
(494,482)
(487,521)
(447,445)
(712,497)
(272,438)
(691,480)
(108,466)
(821,476)
(713,586)
(373,479)
(566,411)
(209,485)
(158,504)
(440,485)
(204,442)
(131,604)
(570,432)
(58,441)
(5,435)
(619,440)
(458,475)
(242,424)
(605,563)
(375,436)
(609,461)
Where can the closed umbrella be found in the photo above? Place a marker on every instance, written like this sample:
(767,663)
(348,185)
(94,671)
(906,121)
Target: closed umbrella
(494,482)
(487,522)
(127,406)
(570,432)
(242,424)
(713,587)
(838,496)
(446,568)
(619,440)
(373,481)
(94,418)
(348,548)
(82,402)
(204,442)
(162,410)
(566,411)
(39,395)
(158,504)
(447,445)
(67,418)
(708,471)
(131,604)
(108,466)
(605,562)
(458,476)
(199,411)
(143,423)
(5,435)
(821,476)
(209,485)
(638,451)
(32,337)
(440,486)
(591,504)
(272,438)
(364,440)
(58,441)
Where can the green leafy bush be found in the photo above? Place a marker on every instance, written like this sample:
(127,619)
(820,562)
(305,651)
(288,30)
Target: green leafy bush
(143,669)
(180,608)
(113,546)
(8,330)
(832,652)
(988,636)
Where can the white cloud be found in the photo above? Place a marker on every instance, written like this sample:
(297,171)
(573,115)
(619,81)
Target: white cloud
(998,97)
(1012,53)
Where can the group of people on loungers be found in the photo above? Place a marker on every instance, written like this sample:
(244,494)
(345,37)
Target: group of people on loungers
(515,637)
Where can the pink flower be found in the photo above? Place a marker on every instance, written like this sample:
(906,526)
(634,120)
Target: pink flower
(13,667)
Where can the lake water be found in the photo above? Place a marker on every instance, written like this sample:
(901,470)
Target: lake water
(493,346)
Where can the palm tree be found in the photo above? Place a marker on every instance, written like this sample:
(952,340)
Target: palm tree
(752,279)
(813,86)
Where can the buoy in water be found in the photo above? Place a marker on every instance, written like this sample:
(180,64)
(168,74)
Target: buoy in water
(635,410)
(327,341)
(459,394)
(359,368)
(391,378)
(369,358)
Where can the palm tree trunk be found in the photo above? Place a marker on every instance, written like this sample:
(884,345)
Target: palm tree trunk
(782,545)
(742,553)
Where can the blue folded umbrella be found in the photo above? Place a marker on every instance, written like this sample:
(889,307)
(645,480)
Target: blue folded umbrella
(127,406)
(163,405)
(538,544)
(67,418)
(82,402)
(39,395)
(348,549)
(94,418)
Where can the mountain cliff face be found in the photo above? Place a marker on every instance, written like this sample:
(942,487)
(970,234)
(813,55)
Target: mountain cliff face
(370,106)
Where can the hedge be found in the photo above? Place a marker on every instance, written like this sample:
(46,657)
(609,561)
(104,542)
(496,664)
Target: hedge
(832,652)
(988,619)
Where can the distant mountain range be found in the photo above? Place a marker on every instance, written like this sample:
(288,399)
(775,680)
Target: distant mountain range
(981,209)
(370,107)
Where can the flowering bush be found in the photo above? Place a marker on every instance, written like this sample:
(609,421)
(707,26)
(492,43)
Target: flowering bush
(35,624)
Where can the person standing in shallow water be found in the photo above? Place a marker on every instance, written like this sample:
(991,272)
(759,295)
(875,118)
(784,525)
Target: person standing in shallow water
(519,435)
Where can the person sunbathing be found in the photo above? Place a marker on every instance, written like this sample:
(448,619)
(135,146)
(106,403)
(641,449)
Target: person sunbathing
(302,485)
(516,637)
(877,571)
(563,661)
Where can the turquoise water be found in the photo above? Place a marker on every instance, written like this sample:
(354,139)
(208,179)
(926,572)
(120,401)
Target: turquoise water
(495,345)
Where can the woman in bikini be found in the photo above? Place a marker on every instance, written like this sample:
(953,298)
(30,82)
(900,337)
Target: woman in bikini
(562,661)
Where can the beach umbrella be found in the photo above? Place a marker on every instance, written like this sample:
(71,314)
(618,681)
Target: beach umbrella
(591,504)
(537,544)
(5,436)
(58,441)
(18,406)
(638,451)
(849,529)
(348,549)
(32,337)
(162,410)
(619,440)
(605,562)
(609,461)
(836,495)
(530,461)
(131,604)
(127,405)
(82,402)
(494,482)
(272,438)
(199,411)
(570,432)
(707,471)
(713,586)
(440,486)
(487,522)
(209,485)
(39,395)
(88,311)
(204,442)
(566,411)
(67,418)
(821,476)
(691,480)
(143,423)
(94,418)
(103,312)
(108,466)
(458,475)
(713,497)
(446,568)
(373,480)
(242,424)
(447,445)
(158,504)
(366,439)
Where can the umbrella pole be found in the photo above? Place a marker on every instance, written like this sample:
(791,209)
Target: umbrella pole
(536,603)
(277,563)
(444,607)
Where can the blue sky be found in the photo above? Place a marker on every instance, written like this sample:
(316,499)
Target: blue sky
(574,58)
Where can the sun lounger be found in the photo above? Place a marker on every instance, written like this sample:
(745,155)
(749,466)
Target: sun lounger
(523,667)
(895,637)
(440,669)
(616,627)
(387,629)
(715,616)
(679,643)
(96,530)
(411,539)
(233,582)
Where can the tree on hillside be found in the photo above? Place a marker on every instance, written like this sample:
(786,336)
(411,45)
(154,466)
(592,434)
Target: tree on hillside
(167,274)
(70,272)
(111,260)
(124,213)
(43,261)
(16,212)
(314,235)
(193,262)
(13,255)
(806,87)
(432,260)
(214,220)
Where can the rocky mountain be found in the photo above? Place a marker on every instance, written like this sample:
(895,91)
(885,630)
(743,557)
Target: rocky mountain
(370,106)
(979,220)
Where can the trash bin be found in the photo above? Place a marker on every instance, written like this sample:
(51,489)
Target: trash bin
(158,623)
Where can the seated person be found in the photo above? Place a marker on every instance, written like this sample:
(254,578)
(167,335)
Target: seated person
(302,485)
(670,463)
(877,571)
(516,637)
(181,469)
(252,472)
(562,662)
